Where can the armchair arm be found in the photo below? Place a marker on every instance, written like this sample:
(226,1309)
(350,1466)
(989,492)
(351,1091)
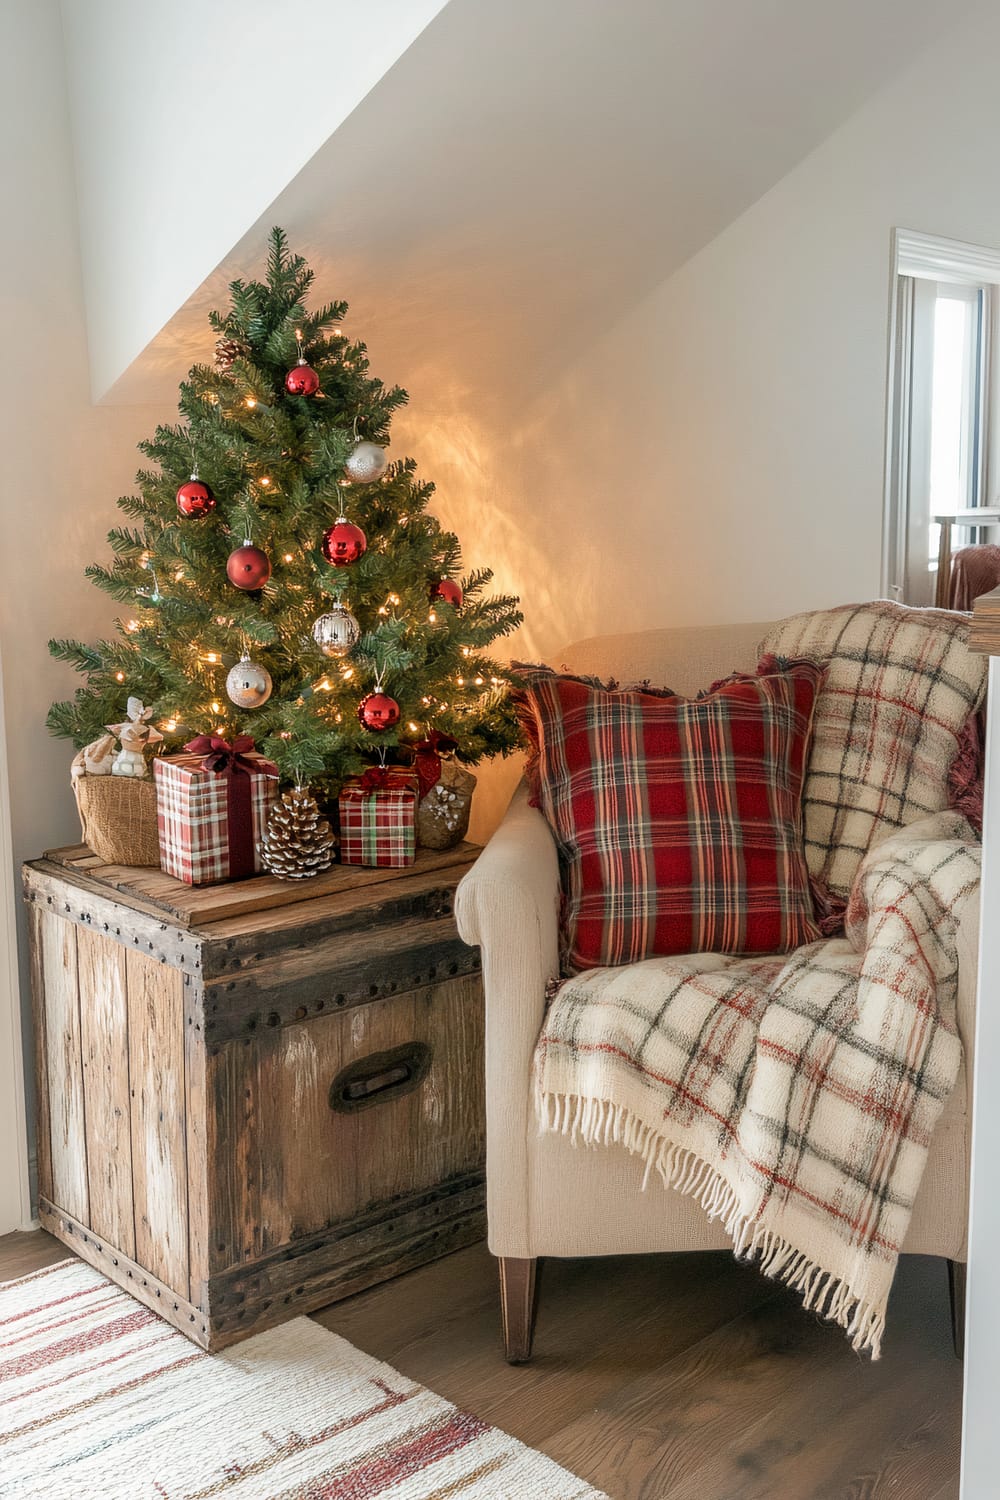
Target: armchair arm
(508,904)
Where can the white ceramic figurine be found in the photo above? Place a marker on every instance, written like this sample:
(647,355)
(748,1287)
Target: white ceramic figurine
(135,734)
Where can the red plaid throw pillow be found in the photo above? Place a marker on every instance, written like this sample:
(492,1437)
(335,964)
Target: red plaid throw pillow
(678,821)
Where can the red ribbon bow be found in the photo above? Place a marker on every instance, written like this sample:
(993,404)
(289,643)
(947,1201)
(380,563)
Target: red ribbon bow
(427,758)
(233,762)
(374,779)
(219,755)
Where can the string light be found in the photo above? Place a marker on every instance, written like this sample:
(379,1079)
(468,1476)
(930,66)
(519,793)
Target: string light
(382,610)
(289,557)
(414,727)
(211,656)
(170,724)
(178,575)
(265,481)
(394,599)
(460,681)
(432,617)
(466,651)
(119,676)
(284,735)
(216,708)
(347,673)
(132,625)
(250,402)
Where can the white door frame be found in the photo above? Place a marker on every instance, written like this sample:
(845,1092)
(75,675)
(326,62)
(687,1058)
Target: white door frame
(980,1457)
(15,1191)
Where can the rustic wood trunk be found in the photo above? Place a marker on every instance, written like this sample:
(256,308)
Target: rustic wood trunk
(255,1098)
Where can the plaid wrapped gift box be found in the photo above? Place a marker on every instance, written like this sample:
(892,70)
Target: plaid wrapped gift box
(199,840)
(378,817)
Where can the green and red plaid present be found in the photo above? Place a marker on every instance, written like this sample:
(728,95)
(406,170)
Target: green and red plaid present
(378,817)
(212,806)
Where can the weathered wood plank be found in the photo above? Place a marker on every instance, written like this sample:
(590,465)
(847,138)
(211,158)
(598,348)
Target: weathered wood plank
(451,1120)
(309,1180)
(425,897)
(285,1164)
(156,1069)
(43,1128)
(388,1151)
(77,899)
(64,1065)
(126,1273)
(334,973)
(104,1044)
(198,905)
(196,1114)
(346,1258)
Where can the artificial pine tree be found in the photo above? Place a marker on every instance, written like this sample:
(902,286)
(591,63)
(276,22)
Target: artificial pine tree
(280,579)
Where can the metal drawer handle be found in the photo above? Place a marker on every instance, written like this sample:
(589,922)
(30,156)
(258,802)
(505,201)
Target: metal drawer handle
(380,1076)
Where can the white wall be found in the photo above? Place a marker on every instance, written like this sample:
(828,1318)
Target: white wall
(64,464)
(189,117)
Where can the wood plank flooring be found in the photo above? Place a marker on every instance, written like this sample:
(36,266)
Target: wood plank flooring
(682,1377)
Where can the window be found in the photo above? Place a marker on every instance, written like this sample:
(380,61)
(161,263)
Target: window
(946,302)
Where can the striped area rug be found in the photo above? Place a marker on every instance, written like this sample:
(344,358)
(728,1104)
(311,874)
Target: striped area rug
(101,1400)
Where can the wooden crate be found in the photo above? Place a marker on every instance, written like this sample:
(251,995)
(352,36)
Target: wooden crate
(260,1097)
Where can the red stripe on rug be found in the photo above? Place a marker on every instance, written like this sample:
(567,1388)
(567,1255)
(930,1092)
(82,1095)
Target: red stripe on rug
(25,1364)
(107,1299)
(373,1475)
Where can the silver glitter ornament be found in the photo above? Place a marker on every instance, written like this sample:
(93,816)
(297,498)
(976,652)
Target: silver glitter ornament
(365,463)
(336,632)
(249,684)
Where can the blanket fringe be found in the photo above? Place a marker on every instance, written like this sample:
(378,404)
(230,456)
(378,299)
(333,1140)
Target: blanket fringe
(598,1122)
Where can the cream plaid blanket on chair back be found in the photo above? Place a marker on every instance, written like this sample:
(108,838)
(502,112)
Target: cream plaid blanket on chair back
(794,1097)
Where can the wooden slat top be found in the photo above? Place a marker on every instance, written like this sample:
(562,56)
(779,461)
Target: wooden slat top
(984,632)
(203,906)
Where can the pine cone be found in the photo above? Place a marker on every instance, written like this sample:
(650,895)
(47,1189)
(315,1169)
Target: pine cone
(226,350)
(298,841)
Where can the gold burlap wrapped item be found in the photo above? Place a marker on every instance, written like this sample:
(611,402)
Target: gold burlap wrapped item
(443,811)
(118,818)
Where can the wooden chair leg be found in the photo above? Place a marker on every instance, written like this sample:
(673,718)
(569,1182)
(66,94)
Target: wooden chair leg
(956,1292)
(518,1301)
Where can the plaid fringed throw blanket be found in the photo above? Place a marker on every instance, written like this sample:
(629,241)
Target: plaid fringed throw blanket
(794,1097)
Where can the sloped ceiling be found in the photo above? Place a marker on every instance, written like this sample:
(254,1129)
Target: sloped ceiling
(187,117)
(526,171)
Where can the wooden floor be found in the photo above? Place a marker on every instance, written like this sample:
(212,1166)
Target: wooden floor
(674,1377)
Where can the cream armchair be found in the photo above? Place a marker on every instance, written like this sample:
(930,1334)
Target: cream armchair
(546,1198)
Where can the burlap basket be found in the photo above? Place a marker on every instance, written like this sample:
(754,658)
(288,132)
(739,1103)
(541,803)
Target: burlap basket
(118,818)
(443,814)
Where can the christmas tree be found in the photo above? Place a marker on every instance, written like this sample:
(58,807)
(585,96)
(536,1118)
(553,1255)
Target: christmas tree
(280,578)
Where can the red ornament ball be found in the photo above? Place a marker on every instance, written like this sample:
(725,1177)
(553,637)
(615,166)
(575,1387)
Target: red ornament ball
(378,711)
(248,567)
(302,380)
(448,591)
(194,498)
(344,543)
